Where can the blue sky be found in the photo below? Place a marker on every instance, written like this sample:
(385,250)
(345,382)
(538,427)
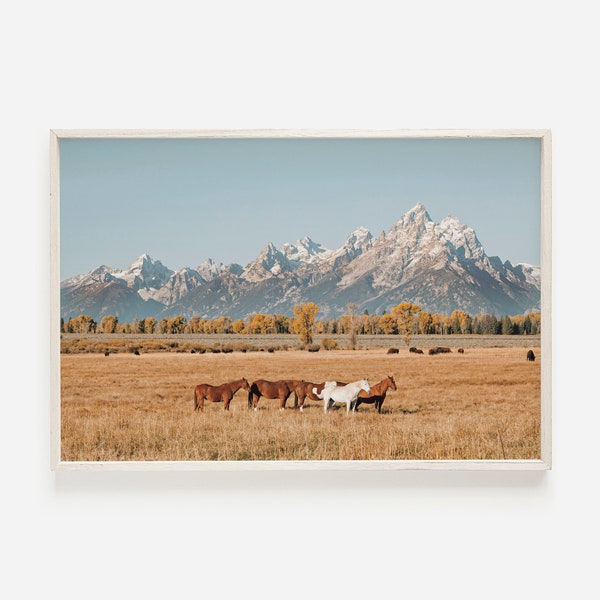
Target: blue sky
(185,200)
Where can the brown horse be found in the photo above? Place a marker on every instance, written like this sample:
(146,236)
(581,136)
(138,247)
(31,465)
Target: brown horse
(377,395)
(271,389)
(218,393)
(304,390)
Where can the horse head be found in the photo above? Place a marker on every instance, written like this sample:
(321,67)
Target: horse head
(392,382)
(364,385)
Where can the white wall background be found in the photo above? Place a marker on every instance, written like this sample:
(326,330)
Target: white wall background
(125,64)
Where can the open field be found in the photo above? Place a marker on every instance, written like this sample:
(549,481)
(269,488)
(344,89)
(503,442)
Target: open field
(74,343)
(484,404)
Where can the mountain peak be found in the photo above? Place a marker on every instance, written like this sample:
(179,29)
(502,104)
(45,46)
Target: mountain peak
(412,224)
(144,271)
(418,213)
(269,263)
(140,260)
(209,269)
(268,250)
(418,207)
(461,237)
(359,239)
(304,250)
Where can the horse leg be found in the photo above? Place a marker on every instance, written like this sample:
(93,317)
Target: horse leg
(295,399)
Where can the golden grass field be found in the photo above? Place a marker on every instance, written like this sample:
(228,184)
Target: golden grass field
(484,404)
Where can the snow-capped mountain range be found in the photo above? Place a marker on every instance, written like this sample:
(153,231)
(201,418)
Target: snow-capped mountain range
(441,267)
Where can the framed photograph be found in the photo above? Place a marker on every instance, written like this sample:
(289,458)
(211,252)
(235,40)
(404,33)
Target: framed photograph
(230,300)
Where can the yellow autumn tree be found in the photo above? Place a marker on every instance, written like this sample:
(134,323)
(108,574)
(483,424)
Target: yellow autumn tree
(239,326)
(405,313)
(304,322)
(425,322)
(148,325)
(388,324)
(108,324)
(461,322)
(81,324)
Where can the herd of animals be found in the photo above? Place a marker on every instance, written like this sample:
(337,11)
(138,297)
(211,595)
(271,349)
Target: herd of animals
(352,394)
(329,392)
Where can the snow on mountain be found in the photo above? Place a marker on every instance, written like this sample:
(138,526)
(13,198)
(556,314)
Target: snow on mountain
(210,269)
(461,237)
(440,266)
(181,283)
(269,263)
(304,250)
(144,272)
(101,274)
(532,274)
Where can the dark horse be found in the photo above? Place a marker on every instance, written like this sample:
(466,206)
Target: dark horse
(377,395)
(304,390)
(218,393)
(271,389)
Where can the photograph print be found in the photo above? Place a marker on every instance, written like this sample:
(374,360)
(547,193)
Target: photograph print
(300,299)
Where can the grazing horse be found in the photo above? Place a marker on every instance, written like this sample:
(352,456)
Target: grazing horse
(345,393)
(305,389)
(377,394)
(271,389)
(218,393)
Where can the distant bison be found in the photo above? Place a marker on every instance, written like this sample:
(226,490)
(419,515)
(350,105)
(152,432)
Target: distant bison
(393,351)
(530,355)
(439,350)
(461,350)
(412,349)
(418,351)
(107,353)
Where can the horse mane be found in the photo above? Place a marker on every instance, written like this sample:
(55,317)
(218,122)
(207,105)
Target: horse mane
(377,388)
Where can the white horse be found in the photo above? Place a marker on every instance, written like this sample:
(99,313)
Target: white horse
(342,393)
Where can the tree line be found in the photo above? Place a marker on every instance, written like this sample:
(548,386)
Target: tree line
(405,319)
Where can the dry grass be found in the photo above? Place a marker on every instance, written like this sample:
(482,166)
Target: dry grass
(484,404)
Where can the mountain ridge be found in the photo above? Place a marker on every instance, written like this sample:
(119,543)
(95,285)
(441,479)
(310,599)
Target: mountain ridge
(441,267)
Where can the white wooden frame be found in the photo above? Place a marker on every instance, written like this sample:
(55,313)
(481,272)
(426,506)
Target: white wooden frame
(544,463)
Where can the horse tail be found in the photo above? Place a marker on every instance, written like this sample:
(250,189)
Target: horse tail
(250,397)
(196,403)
